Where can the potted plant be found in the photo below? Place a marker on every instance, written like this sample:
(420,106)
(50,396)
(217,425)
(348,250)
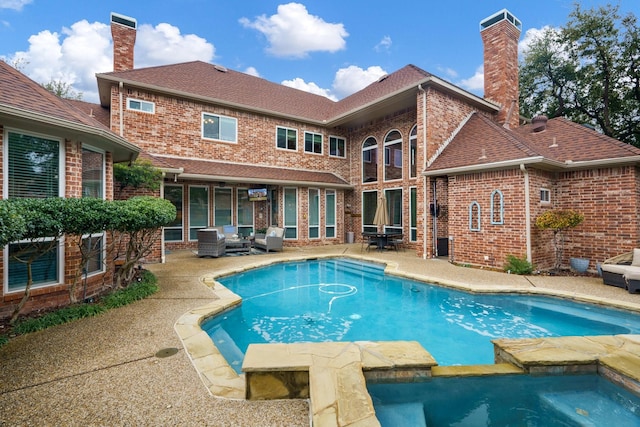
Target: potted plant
(559,220)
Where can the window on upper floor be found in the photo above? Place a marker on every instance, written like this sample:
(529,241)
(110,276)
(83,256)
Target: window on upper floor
(413,151)
(139,105)
(312,143)
(370,160)
(286,138)
(219,128)
(337,147)
(393,156)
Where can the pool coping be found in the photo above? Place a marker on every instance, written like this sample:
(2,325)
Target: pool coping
(333,375)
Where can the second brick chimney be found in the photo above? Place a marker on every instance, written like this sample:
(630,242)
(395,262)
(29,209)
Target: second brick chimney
(123,33)
(500,34)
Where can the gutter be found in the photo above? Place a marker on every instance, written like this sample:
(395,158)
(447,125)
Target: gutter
(67,125)
(253,180)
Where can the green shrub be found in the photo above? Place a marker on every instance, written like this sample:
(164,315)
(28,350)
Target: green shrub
(134,292)
(3,340)
(517,265)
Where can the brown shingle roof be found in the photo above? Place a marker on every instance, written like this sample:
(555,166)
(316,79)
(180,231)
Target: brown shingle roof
(481,144)
(203,80)
(25,103)
(240,172)
(96,111)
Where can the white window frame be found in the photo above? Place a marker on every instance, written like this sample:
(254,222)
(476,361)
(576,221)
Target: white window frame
(545,200)
(143,106)
(104,168)
(61,193)
(197,227)
(221,118)
(313,134)
(316,193)
(286,137)
(103,251)
(336,139)
(181,227)
(285,217)
(330,225)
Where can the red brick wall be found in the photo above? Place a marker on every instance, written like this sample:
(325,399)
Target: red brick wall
(124,39)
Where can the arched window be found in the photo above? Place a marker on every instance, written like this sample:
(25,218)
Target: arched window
(497,207)
(413,151)
(393,156)
(474,216)
(370,160)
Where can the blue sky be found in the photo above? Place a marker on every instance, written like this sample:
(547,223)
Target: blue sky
(328,47)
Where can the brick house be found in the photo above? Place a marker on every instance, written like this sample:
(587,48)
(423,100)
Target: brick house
(460,176)
(50,148)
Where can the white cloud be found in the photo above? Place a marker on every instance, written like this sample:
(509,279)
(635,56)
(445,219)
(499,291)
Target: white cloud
(384,45)
(77,53)
(311,87)
(163,44)
(14,4)
(352,79)
(474,83)
(252,71)
(347,81)
(531,35)
(293,32)
(448,72)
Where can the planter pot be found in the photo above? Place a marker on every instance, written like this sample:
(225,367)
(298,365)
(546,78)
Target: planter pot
(580,265)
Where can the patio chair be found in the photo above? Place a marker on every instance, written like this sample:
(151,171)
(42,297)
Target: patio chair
(368,240)
(271,240)
(211,242)
(396,243)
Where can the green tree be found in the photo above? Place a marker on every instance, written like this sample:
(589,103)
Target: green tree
(12,223)
(587,71)
(62,89)
(559,220)
(136,230)
(137,175)
(44,225)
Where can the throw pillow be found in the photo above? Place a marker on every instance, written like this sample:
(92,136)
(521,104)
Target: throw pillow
(273,233)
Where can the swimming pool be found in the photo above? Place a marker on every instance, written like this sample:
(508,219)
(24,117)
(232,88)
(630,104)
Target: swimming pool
(346,300)
(578,400)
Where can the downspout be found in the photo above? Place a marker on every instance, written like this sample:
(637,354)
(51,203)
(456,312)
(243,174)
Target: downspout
(527,210)
(120,88)
(425,207)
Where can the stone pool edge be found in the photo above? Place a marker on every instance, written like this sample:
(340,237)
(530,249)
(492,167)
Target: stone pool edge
(326,391)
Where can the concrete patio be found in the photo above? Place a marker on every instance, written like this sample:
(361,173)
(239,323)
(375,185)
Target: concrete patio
(111,369)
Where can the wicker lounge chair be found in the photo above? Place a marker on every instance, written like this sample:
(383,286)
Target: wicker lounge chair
(271,240)
(211,242)
(623,271)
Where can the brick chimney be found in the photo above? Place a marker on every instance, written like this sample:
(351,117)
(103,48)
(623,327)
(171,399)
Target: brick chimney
(500,34)
(123,33)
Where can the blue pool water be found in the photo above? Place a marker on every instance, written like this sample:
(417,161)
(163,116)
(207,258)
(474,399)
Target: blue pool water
(345,300)
(582,400)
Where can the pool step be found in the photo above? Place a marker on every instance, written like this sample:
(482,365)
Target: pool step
(359,269)
(401,414)
(227,347)
(589,408)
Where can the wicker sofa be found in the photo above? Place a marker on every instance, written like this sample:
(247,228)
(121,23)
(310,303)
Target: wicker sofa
(271,240)
(211,242)
(623,271)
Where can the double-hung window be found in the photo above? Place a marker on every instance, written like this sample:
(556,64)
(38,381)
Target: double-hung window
(219,128)
(313,143)
(33,167)
(286,139)
(173,231)
(337,147)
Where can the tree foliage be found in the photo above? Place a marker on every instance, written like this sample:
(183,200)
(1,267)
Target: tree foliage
(139,174)
(559,220)
(12,223)
(587,71)
(62,89)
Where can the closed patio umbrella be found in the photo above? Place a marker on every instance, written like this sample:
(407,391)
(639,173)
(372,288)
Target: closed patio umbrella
(382,215)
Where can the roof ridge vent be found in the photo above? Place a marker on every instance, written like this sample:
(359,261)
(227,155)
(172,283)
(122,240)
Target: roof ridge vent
(220,68)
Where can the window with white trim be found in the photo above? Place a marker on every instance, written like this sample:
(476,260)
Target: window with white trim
(198,209)
(330,213)
(33,166)
(93,167)
(313,143)
(140,105)
(173,231)
(393,156)
(219,128)
(314,213)
(337,147)
(370,160)
(244,208)
(290,213)
(413,151)
(286,138)
(545,196)
(93,246)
